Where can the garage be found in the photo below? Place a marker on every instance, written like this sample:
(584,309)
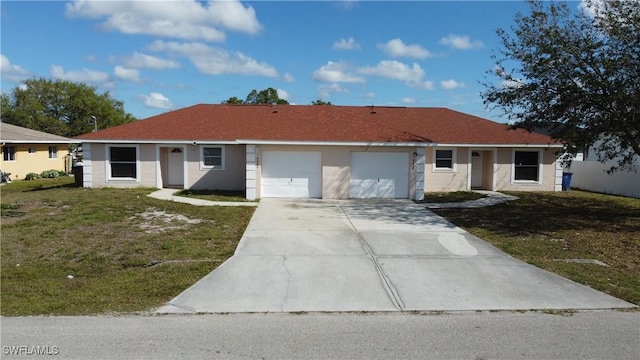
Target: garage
(379,175)
(291,174)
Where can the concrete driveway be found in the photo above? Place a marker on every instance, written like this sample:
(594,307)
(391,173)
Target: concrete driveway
(377,255)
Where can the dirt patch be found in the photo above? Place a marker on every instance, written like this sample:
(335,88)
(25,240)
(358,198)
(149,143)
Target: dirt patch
(155,221)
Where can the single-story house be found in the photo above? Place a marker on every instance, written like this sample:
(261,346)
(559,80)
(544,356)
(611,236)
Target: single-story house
(334,152)
(30,151)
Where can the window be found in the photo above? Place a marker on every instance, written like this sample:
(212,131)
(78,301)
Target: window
(212,157)
(526,166)
(444,160)
(53,152)
(123,162)
(32,150)
(9,153)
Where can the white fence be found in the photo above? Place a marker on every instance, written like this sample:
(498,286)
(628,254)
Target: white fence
(592,176)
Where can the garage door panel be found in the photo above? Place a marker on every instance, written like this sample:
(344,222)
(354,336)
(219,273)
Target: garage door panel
(379,175)
(386,188)
(291,174)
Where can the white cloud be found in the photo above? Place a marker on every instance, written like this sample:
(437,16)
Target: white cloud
(282,94)
(326,91)
(185,19)
(451,84)
(592,8)
(369,95)
(123,73)
(346,4)
(288,77)
(84,75)
(397,48)
(408,100)
(156,101)
(512,84)
(346,44)
(144,61)
(336,72)
(14,73)
(215,61)
(461,42)
(391,69)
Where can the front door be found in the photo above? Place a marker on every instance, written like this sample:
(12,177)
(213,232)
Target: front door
(476,170)
(176,167)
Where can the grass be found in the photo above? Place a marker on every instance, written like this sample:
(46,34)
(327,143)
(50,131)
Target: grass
(454,196)
(127,252)
(215,195)
(547,229)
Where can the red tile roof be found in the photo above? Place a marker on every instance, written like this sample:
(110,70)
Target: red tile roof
(225,122)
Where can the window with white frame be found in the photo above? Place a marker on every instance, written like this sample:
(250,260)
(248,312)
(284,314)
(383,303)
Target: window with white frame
(9,153)
(53,152)
(123,162)
(526,166)
(444,159)
(212,157)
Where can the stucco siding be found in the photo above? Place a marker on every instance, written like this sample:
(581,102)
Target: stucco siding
(505,171)
(148,168)
(446,180)
(336,166)
(34,162)
(232,177)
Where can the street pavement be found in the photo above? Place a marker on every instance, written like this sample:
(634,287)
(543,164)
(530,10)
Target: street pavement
(309,255)
(467,335)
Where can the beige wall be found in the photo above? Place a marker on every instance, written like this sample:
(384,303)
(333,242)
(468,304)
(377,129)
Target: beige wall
(442,180)
(505,169)
(500,175)
(231,178)
(36,162)
(146,170)
(336,166)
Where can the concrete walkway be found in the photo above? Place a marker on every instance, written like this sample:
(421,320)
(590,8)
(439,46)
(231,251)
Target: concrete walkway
(379,255)
(491,198)
(169,194)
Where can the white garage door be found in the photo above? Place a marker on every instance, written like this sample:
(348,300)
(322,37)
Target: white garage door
(379,175)
(291,174)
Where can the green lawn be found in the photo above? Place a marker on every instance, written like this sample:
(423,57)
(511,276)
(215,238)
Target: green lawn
(547,229)
(126,252)
(215,195)
(452,196)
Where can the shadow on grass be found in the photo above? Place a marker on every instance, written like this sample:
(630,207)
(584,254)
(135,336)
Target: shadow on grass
(550,212)
(40,187)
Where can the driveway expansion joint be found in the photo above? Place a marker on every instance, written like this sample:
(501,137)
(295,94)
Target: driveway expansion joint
(388,286)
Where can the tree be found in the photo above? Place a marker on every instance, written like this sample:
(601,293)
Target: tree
(575,73)
(321,102)
(233,100)
(266,96)
(61,107)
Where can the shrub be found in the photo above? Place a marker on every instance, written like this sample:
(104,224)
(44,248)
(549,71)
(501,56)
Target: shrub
(32,176)
(52,173)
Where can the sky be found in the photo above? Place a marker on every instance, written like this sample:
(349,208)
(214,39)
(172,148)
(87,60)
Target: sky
(158,56)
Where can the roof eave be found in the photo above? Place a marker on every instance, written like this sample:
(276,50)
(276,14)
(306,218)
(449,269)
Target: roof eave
(518,145)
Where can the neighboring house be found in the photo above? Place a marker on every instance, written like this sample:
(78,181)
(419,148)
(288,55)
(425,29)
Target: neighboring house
(334,152)
(591,175)
(30,151)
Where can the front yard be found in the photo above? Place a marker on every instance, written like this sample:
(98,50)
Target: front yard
(71,251)
(590,238)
